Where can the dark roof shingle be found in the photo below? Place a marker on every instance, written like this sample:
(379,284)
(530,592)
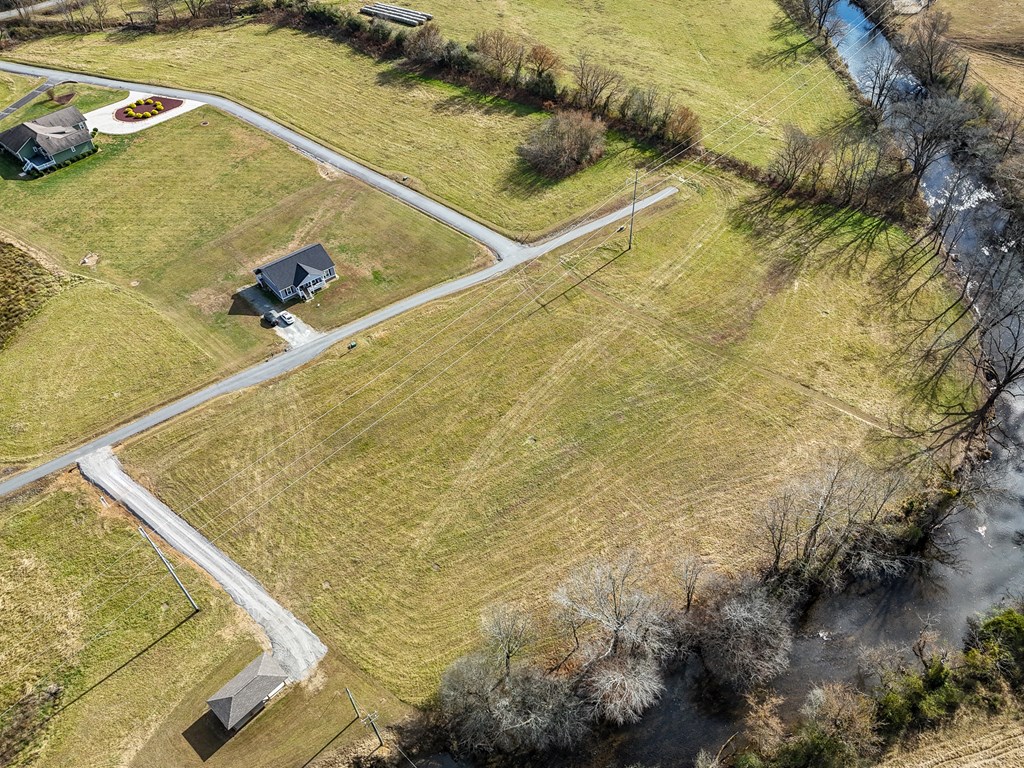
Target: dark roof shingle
(292,269)
(243,693)
(54,132)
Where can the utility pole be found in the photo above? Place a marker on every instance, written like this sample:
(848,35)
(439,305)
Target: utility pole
(369,720)
(170,569)
(632,212)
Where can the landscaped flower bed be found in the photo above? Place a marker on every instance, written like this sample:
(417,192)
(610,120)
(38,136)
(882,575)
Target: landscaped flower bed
(144,109)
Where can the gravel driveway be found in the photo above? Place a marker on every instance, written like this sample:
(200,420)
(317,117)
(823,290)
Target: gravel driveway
(296,648)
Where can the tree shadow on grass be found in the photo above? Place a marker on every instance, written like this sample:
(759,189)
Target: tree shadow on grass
(788,46)
(802,235)
(523,182)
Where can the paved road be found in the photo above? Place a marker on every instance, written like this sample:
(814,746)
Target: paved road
(295,646)
(14,13)
(292,359)
(504,247)
(38,91)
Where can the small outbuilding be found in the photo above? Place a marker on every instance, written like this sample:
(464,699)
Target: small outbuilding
(48,140)
(247,693)
(298,275)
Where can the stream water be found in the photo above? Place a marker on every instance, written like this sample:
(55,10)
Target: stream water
(829,644)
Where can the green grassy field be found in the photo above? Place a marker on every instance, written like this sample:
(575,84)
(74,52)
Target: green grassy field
(171,221)
(85,97)
(91,357)
(67,622)
(135,674)
(459,146)
(13,87)
(659,402)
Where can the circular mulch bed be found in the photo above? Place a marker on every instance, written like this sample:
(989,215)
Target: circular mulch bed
(140,109)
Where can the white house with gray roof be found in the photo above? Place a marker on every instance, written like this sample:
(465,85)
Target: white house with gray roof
(298,275)
(247,693)
(48,140)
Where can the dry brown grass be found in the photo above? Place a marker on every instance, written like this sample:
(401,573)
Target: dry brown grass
(977,743)
(992,32)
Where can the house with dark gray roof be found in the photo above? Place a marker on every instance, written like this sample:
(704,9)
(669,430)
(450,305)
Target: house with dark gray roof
(247,693)
(298,275)
(48,140)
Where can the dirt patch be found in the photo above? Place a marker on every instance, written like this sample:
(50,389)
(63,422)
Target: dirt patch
(150,105)
(210,300)
(329,172)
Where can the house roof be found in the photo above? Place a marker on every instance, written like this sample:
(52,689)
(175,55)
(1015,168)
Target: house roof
(54,132)
(243,693)
(291,270)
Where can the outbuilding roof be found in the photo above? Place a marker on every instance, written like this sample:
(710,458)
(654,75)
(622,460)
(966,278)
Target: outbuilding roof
(247,690)
(54,132)
(292,269)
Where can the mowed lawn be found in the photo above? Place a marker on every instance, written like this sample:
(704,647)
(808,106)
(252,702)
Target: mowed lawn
(13,87)
(461,147)
(476,450)
(171,222)
(64,559)
(992,33)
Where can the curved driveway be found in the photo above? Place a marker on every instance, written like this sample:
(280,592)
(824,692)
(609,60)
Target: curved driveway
(296,648)
(510,252)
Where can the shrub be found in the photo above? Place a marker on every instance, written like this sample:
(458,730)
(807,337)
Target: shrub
(564,144)
(322,15)
(400,39)
(682,126)
(425,45)
(543,87)
(354,25)
(149,101)
(147,114)
(1002,635)
(455,57)
(379,32)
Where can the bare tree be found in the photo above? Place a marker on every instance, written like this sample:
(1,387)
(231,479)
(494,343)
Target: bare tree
(689,570)
(543,62)
(821,15)
(508,631)
(195,7)
(621,689)
(747,638)
(927,128)
(883,74)
(930,52)
(831,525)
(526,712)
(504,52)
(640,107)
(623,616)
(596,85)
(102,10)
(425,45)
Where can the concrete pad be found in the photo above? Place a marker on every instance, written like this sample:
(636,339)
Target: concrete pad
(295,335)
(103,118)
